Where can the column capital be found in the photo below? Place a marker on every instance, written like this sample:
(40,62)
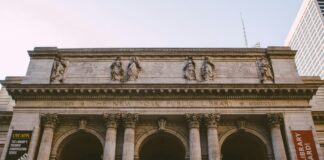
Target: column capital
(129,119)
(274,119)
(212,119)
(111,120)
(49,120)
(193,120)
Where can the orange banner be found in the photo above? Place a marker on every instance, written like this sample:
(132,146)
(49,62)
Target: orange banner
(304,145)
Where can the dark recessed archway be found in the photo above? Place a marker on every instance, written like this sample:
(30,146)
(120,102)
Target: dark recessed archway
(81,146)
(162,146)
(243,146)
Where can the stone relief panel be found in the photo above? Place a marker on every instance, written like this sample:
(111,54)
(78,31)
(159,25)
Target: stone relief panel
(59,68)
(265,70)
(117,71)
(207,70)
(190,70)
(133,69)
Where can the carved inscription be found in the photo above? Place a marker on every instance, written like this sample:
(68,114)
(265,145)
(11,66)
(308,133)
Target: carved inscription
(166,103)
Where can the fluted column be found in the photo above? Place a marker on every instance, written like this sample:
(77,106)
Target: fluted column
(274,121)
(194,136)
(111,132)
(212,134)
(49,121)
(129,121)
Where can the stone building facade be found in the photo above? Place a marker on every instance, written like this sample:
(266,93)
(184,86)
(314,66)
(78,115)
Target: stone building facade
(163,103)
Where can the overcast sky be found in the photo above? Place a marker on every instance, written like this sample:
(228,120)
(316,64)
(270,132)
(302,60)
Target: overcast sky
(25,24)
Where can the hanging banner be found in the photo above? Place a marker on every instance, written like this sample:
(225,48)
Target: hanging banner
(18,146)
(304,145)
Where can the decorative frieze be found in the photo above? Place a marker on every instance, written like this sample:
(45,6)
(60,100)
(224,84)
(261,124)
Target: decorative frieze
(49,120)
(193,120)
(59,68)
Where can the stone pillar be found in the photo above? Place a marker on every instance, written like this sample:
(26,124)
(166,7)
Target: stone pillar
(212,134)
(194,137)
(49,121)
(278,147)
(110,141)
(33,143)
(129,121)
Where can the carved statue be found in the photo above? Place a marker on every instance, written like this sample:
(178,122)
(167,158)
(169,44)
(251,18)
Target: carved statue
(207,70)
(265,70)
(133,69)
(117,72)
(189,70)
(59,68)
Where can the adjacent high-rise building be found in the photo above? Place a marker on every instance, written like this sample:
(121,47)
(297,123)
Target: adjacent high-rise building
(307,37)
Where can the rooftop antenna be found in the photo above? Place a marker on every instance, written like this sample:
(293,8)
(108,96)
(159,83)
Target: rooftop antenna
(244,32)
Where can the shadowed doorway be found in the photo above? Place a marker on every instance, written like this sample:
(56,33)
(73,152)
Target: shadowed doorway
(243,146)
(81,146)
(162,146)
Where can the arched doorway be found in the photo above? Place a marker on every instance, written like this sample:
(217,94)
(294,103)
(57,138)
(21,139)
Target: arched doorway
(162,146)
(243,146)
(81,146)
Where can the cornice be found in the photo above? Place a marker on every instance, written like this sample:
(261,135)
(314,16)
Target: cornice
(161,91)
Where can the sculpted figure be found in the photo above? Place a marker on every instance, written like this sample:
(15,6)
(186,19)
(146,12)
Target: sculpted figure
(207,70)
(265,70)
(117,72)
(189,70)
(133,69)
(59,68)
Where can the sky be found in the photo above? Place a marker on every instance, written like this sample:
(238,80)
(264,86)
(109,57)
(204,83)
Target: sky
(25,24)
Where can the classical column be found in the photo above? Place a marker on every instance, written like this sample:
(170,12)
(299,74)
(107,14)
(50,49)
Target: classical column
(194,137)
(212,134)
(49,122)
(129,121)
(110,141)
(274,121)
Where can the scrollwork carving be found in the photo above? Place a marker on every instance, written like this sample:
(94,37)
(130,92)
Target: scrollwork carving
(133,69)
(111,120)
(117,72)
(49,120)
(193,120)
(265,70)
(274,119)
(59,68)
(207,70)
(189,70)
(129,119)
(212,119)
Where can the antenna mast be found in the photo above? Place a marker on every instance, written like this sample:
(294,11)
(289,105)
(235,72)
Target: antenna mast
(244,32)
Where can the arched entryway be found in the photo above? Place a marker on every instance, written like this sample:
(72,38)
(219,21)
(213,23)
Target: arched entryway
(162,146)
(81,146)
(243,146)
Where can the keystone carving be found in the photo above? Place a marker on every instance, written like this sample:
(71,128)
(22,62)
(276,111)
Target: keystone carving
(265,70)
(193,120)
(189,70)
(111,120)
(212,120)
(59,68)
(207,70)
(117,72)
(133,69)
(129,119)
(49,120)
(161,124)
(83,124)
(274,119)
